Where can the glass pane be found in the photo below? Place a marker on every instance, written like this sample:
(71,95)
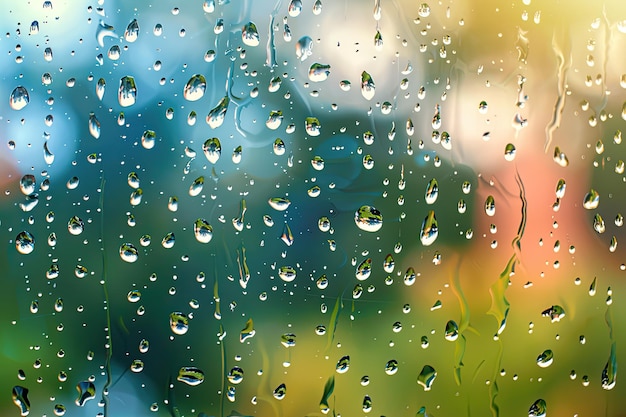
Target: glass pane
(237,208)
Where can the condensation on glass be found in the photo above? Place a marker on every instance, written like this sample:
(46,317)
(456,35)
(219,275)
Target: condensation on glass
(237,208)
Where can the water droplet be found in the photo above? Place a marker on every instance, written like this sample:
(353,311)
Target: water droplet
(288,340)
(426,377)
(128,252)
(247,332)
(196,186)
(295,7)
(490,206)
(132,31)
(148,139)
(203,231)
(287,273)
(144,346)
(545,359)
(212,149)
(368,88)
(86,391)
(216,116)
(75,225)
(432,191)
(190,375)
(560,157)
(195,88)
(319,72)
(274,120)
(235,375)
(537,409)
(368,219)
(322,282)
(250,35)
(48,156)
(391,367)
(279,203)
(136,366)
(25,243)
(423,10)
(429,230)
(304,48)
(598,223)
(19,98)
(343,365)
(388,264)
(509,152)
(280,392)
(127,93)
(556,313)
(28,184)
(591,200)
(452,331)
(364,270)
(168,240)
(312,126)
(19,395)
(317,7)
(179,323)
(367,404)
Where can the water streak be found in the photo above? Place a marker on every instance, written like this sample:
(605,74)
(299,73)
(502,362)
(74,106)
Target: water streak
(557,112)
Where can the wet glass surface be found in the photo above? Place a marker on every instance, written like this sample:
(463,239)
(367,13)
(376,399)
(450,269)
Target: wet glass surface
(238,208)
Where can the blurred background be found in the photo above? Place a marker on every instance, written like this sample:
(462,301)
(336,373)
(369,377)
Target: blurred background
(218,208)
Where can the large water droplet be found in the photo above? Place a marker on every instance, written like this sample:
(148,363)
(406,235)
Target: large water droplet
(426,377)
(212,149)
(452,331)
(432,191)
(280,392)
(368,88)
(75,225)
(132,31)
(195,88)
(368,219)
(250,35)
(556,313)
(545,359)
(537,409)
(86,391)
(295,7)
(127,93)
(319,72)
(25,243)
(304,48)
(287,273)
(128,252)
(19,98)
(19,395)
(202,231)
(429,230)
(190,375)
(179,323)
(391,367)
(28,184)
(591,200)
(216,116)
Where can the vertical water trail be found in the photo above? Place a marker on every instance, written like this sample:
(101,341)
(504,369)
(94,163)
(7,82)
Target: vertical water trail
(459,349)
(557,111)
(609,373)
(499,304)
(270,60)
(109,344)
